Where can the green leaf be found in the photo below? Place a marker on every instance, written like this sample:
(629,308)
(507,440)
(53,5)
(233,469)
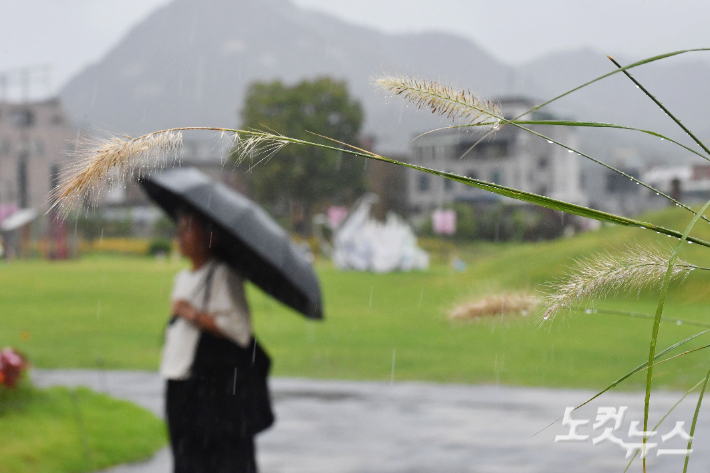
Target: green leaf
(544,201)
(665,416)
(640,367)
(657,320)
(519,123)
(640,315)
(622,69)
(695,421)
(662,107)
(513,193)
(573,123)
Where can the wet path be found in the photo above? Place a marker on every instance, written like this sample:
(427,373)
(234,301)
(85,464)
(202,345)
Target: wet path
(373,427)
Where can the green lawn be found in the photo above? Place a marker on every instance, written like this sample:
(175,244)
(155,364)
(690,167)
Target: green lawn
(110,311)
(61,430)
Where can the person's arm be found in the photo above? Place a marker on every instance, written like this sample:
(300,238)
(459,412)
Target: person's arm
(202,320)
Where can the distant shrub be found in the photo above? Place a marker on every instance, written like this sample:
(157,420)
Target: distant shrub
(164,228)
(125,246)
(160,246)
(439,249)
(94,226)
(466,224)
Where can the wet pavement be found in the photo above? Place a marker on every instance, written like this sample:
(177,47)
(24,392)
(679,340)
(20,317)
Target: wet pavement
(373,427)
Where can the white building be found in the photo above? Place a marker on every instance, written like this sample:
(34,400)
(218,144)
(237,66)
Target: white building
(689,183)
(34,140)
(612,192)
(510,156)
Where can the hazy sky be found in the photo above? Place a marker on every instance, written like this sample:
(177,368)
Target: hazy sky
(70,34)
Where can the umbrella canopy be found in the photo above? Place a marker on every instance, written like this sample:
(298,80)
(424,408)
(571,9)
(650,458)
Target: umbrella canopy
(251,242)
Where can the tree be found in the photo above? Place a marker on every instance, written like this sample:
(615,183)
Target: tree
(300,177)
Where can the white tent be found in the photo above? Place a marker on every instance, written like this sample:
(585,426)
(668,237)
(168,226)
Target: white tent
(364,244)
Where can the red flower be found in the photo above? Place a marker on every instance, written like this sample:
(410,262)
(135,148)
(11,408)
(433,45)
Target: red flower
(11,366)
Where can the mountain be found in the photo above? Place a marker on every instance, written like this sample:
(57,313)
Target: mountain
(189,64)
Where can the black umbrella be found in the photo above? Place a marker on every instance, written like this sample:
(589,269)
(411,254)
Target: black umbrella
(251,242)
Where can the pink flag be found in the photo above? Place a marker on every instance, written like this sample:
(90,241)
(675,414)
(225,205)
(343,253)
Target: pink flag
(444,222)
(336,215)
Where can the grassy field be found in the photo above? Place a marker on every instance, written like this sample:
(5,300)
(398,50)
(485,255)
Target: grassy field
(65,430)
(104,311)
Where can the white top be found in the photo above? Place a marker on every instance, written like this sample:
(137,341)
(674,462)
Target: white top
(227,304)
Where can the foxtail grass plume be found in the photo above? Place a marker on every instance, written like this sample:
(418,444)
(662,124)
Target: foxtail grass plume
(495,304)
(603,274)
(101,163)
(116,159)
(258,148)
(443,100)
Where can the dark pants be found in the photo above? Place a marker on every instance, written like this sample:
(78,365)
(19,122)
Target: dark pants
(202,440)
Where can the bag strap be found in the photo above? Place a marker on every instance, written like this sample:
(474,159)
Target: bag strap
(208,286)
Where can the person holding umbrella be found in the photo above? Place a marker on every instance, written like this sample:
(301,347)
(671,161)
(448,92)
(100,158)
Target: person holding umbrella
(207,341)
(217,395)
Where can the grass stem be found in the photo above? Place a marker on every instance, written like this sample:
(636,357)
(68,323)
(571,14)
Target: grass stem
(657,320)
(662,107)
(695,421)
